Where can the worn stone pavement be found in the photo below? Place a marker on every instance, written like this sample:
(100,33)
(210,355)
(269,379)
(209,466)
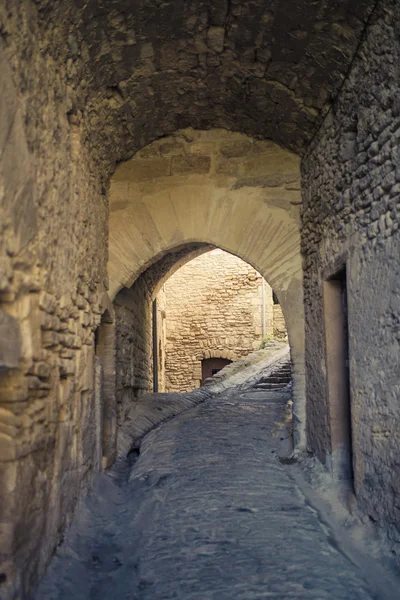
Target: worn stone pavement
(206,512)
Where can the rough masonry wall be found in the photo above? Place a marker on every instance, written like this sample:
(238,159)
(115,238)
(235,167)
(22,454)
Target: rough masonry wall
(213,308)
(83,85)
(279,325)
(133,317)
(53,249)
(137,72)
(351,214)
(134,345)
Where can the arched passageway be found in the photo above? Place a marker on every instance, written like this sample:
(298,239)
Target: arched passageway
(222,189)
(216,305)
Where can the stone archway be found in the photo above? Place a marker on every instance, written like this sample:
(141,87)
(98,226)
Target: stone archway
(219,188)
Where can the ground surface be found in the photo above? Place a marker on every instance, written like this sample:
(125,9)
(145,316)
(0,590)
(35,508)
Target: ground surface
(206,512)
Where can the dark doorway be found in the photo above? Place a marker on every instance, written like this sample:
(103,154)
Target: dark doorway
(211,366)
(338,373)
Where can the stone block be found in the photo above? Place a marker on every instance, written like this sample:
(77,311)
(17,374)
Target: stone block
(42,370)
(191,164)
(80,301)
(67,340)
(10,343)
(202,148)
(171,148)
(228,167)
(67,367)
(35,383)
(142,169)
(146,51)
(8,447)
(46,322)
(50,339)
(13,387)
(47,302)
(235,149)
(216,38)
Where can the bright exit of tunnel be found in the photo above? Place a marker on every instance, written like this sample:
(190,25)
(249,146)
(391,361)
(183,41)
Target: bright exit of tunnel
(194,310)
(213,310)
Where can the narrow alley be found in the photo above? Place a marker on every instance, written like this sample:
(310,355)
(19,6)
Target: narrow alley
(205,511)
(183,183)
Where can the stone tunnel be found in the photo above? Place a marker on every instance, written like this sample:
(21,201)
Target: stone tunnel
(134,138)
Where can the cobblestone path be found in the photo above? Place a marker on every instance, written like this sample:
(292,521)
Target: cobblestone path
(206,512)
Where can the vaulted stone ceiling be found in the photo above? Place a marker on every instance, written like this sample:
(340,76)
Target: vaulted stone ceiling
(142,69)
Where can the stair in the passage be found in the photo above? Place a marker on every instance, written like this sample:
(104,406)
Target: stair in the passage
(276,380)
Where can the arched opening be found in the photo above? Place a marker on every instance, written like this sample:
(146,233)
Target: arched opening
(158,346)
(221,189)
(321,80)
(214,306)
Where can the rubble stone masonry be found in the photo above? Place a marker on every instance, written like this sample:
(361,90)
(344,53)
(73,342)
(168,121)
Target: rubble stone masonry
(351,217)
(213,308)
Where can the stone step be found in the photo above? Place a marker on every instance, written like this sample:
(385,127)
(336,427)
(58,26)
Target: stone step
(278,379)
(275,378)
(269,386)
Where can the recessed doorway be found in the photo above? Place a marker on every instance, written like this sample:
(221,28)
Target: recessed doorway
(211,366)
(338,373)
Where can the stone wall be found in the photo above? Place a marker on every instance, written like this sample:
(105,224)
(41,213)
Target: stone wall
(279,325)
(213,308)
(134,345)
(351,216)
(53,231)
(134,329)
(83,88)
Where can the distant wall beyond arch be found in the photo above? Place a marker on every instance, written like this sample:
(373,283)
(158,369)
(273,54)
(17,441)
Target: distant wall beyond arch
(216,306)
(218,188)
